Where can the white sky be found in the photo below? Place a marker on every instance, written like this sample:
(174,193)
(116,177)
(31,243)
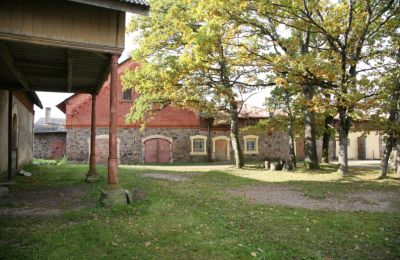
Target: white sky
(51,99)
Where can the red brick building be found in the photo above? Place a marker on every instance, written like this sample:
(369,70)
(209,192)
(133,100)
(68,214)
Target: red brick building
(172,135)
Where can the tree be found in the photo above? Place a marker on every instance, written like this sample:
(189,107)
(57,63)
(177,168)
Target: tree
(351,31)
(280,52)
(284,102)
(190,56)
(390,101)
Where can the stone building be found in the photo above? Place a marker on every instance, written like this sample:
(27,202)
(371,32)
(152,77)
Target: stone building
(171,135)
(49,137)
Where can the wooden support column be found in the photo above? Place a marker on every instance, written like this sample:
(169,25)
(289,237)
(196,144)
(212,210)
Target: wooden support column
(92,175)
(113,145)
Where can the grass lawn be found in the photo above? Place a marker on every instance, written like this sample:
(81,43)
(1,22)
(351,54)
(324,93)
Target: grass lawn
(200,219)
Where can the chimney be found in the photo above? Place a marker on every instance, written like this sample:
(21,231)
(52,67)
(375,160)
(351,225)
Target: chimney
(48,115)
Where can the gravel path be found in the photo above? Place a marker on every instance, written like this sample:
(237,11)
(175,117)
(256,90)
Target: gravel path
(291,197)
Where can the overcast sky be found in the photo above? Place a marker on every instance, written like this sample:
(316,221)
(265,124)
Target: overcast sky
(51,99)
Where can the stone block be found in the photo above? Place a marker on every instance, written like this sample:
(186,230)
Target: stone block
(137,195)
(267,165)
(276,167)
(114,197)
(3,191)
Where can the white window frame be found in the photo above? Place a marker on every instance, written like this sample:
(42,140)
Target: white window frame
(245,138)
(192,138)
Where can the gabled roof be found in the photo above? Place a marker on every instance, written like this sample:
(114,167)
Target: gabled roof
(54,125)
(249,111)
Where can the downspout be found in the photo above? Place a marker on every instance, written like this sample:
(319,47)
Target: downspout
(10,100)
(209,129)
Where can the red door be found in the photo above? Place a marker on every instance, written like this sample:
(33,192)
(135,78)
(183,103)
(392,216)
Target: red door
(157,151)
(57,149)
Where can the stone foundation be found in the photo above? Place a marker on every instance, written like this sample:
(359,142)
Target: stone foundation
(131,148)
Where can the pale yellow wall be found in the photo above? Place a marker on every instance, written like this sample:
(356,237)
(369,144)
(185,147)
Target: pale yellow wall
(371,145)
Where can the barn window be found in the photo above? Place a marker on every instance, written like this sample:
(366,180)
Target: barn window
(127,95)
(199,145)
(250,144)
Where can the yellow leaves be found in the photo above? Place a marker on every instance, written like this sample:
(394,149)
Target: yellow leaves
(280,82)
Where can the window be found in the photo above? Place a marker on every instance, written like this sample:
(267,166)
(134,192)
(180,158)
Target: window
(250,144)
(199,146)
(127,95)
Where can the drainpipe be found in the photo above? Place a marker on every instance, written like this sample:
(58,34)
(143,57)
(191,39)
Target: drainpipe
(209,129)
(10,100)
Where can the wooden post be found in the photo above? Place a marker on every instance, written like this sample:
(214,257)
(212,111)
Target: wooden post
(92,175)
(113,145)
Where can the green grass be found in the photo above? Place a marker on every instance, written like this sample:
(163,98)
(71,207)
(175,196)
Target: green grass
(197,220)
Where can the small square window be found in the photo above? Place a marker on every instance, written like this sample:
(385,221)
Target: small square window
(198,145)
(127,95)
(251,144)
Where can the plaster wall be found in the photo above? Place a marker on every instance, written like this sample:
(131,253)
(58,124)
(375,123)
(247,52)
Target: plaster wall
(3,133)
(372,145)
(24,119)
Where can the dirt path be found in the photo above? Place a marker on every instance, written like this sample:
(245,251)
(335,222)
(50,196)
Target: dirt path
(171,177)
(46,201)
(291,197)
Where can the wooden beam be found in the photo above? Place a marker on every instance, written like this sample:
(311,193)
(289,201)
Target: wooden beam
(117,5)
(9,60)
(104,77)
(59,43)
(69,69)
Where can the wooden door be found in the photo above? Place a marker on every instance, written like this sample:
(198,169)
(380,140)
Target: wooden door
(157,151)
(362,152)
(221,149)
(57,149)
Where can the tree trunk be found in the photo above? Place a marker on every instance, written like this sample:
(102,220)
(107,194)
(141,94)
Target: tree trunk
(390,143)
(326,138)
(310,142)
(398,157)
(290,130)
(344,127)
(291,144)
(237,151)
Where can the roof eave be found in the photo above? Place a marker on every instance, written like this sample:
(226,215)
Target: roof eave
(117,5)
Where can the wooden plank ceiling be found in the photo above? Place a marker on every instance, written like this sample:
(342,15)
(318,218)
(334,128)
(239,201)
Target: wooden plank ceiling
(44,68)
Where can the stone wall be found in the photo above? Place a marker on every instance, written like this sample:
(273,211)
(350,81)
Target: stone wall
(131,148)
(44,143)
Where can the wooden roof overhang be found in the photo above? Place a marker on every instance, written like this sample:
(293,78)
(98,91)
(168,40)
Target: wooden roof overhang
(61,46)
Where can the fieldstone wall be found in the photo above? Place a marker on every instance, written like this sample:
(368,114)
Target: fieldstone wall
(131,148)
(43,144)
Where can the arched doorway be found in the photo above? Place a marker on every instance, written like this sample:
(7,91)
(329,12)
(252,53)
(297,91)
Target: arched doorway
(157,149)
(221,149)
(14,144)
